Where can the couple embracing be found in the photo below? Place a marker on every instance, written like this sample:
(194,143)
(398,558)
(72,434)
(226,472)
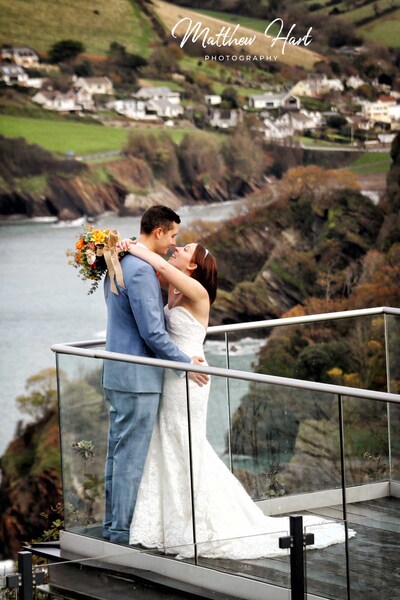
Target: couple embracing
(147,480)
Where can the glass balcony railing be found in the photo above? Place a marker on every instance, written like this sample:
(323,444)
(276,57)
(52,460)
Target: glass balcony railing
(319,438)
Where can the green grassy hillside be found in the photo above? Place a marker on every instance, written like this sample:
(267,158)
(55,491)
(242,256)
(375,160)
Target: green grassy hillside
(63,136)
(384,29)
(40,23)
(376,20)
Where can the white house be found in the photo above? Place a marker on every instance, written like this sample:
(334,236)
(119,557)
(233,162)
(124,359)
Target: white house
(381,110)
(316,85)
(224,118)
(13,75)
(24,57)
(354,82)
(164,108)
(300,121)
(277,131)
(158,93)
(270,101)
(95,85)
(84,97)
(55,100)
(133,109)
(212,99)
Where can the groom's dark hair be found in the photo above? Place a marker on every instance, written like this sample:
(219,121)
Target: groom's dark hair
(158,216)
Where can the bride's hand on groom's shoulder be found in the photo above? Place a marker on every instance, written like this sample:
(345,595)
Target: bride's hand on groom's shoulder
(125,244)
(199,378)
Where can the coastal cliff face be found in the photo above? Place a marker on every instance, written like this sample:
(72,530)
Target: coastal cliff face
(307,240)
(30,487)
(69,190)
(33,183)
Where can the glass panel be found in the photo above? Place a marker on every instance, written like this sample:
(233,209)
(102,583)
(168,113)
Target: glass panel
(283,441)
(393,346)
(85,418)
(348,351)
(218,406)
(84,421)
(256,557)
(366,441)
(325,560)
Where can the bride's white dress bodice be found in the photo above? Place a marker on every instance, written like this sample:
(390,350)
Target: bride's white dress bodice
(227,523)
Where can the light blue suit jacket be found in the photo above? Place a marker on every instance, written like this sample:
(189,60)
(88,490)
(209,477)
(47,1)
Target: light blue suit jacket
(136,325)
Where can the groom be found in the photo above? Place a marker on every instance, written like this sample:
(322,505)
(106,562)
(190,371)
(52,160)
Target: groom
(136,326)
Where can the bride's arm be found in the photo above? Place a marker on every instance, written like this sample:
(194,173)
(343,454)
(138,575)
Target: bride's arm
(173,276)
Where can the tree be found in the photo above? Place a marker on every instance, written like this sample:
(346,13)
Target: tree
(230,97)
(42,394)
(159,152)
(245,159)
(201,162)
(65,50)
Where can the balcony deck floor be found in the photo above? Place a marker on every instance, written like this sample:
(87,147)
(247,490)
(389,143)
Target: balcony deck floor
(374,556)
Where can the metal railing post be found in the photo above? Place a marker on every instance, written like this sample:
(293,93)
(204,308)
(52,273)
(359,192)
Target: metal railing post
(296,542)
(25,591)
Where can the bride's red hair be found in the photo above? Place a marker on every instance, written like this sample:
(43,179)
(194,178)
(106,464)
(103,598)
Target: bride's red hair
(206,272)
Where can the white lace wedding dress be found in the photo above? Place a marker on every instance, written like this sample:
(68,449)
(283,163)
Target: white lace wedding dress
(228,524)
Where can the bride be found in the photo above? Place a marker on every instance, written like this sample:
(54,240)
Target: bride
(226,522)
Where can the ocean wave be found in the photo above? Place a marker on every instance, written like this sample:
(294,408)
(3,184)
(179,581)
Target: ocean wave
(244,347)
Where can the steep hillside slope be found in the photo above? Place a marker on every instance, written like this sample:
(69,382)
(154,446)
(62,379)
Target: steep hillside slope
(170,15)
(40,23)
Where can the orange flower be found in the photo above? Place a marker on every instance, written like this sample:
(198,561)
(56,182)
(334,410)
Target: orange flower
(80,244)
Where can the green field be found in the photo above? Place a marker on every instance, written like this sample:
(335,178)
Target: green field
(40,23)
(367,11)
(371,162)
(386,30)
(82,139)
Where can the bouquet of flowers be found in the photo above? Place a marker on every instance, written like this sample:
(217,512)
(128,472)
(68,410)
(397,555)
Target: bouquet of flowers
(94,254)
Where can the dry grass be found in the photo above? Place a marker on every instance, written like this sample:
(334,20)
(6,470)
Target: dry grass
(170,14)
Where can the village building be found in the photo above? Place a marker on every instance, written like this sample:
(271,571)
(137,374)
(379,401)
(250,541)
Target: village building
(212,99)
(133,108)
(224,118)
(270,101)
(382,111)
(95,85)
(158,93)
(291,123)
(23,57)
(58,101)
(13,75)
(317,85)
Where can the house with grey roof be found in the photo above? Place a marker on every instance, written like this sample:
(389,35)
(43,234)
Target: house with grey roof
(270,101)
(56,100)
(23,57)
(224,118)
(13,75)
(158,93)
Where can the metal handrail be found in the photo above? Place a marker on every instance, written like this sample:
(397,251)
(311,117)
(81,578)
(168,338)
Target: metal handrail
(332,316)
(251,325)
(77,349)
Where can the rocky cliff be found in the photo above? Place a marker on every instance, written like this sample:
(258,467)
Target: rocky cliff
(30,487)
(35,184)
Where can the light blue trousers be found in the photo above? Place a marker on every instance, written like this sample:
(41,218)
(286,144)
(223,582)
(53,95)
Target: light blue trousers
(132,418)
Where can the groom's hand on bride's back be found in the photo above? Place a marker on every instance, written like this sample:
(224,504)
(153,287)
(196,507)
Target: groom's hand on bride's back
(199,378)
